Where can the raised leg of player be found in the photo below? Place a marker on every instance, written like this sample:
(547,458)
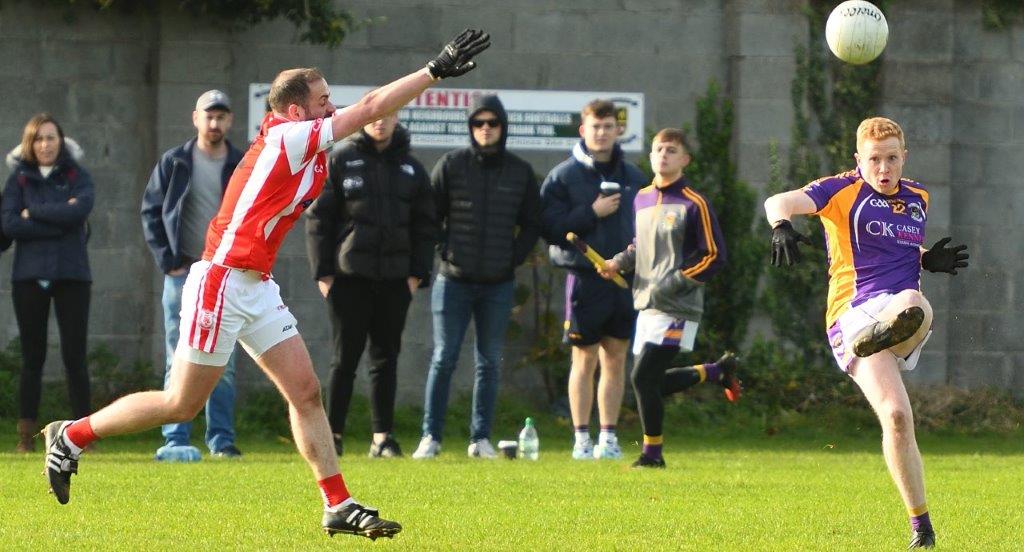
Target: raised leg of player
(879,379)
(581,383)
(190,387)
(288,365)
(899,303)
(613,379)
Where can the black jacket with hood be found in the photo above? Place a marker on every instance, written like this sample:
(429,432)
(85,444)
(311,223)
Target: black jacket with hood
(488,204)
(375,216)
(51,243)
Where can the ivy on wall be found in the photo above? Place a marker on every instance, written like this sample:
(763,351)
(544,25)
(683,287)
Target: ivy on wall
(1000,14)
(318,21)
(830,98)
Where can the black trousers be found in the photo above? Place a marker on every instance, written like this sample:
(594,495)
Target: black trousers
(32,311)
(653,379)
(359,309)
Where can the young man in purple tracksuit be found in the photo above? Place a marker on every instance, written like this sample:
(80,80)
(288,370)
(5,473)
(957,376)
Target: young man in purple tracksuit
(678,248)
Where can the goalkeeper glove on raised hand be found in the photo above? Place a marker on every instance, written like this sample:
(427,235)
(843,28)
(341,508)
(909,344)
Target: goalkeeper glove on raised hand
(784,244)
(456,57)
(944,259)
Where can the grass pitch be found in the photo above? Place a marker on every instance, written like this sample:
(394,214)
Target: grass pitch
(743,493)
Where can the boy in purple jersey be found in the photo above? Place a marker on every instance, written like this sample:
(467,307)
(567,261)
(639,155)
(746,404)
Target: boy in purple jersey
(877,318)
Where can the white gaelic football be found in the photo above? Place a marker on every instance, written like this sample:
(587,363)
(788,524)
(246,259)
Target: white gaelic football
(856,31)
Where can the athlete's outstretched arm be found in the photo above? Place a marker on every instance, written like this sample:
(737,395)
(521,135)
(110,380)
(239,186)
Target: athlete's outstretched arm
(784,206)
(779,209)
(455,59)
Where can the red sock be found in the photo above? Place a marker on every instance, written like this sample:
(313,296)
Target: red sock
(334,490)
(80,433)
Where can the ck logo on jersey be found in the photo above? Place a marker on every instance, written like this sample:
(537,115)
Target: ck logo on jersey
(407,169)
(352,183)
(355,163)
(318,168)
(880,228)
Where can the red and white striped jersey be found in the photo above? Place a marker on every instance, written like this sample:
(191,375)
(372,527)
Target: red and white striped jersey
(281,174)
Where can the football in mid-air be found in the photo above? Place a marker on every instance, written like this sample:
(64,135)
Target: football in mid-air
(856,31)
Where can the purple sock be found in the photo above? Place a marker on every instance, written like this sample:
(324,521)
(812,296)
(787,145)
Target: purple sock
(921,522)
(582,428)
(712,372)
(605,427)
(652,451)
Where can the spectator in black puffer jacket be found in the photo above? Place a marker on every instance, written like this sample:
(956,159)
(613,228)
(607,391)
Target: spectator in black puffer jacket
(46,202)
(489,206)
(370,239)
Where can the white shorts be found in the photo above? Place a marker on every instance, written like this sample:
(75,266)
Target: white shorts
(842,332)
(659,328)
(221,305)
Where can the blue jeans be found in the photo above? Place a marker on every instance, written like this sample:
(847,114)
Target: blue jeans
(220,407)
(453,304)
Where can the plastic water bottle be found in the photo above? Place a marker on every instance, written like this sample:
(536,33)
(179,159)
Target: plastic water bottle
(529,444)
(178,453)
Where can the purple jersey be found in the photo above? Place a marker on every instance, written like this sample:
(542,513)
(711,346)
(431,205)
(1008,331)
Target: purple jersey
(874,240)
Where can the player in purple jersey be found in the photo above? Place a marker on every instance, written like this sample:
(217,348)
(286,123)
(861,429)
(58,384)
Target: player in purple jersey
(877,319)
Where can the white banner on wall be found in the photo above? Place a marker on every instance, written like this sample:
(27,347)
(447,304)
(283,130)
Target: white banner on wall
(538,119)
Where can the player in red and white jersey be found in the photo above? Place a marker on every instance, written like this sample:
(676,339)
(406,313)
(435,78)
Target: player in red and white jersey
(230,296)
(281,174)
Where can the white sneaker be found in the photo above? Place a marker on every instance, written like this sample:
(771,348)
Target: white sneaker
(608,449)
(428,448)
(583,450)
(481,449)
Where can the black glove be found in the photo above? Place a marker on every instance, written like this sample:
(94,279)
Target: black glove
(454,59)
(784,244)
(944,259)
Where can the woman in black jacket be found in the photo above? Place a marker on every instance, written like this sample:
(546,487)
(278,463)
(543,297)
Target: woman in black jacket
(45,205)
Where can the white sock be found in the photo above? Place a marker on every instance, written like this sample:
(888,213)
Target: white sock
(75,449)
(340,505)
(582,437)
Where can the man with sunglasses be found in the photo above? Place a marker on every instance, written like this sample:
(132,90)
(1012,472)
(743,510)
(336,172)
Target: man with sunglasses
(488,206)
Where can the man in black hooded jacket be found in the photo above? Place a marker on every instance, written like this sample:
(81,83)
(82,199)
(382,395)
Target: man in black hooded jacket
(488,204)
(370,239)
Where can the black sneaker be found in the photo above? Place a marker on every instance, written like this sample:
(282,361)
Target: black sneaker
(882,335)
(230,452)
(59,463)
(732,384)
(646,462)
(922,539)
(357,520)
(388,448)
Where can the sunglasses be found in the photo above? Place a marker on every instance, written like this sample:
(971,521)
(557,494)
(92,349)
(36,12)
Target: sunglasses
(480,123)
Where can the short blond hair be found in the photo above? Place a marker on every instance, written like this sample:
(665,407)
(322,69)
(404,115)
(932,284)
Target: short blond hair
(879,128)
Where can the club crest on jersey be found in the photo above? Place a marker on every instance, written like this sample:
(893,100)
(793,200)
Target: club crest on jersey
(306,203)
(670,220)
(407,169)
(205,319)
(916,212)
(352,183)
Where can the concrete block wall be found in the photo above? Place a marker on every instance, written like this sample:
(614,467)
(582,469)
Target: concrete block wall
(124,85)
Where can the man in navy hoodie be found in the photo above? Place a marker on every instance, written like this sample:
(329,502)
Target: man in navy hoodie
(183,194)
(583,195)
